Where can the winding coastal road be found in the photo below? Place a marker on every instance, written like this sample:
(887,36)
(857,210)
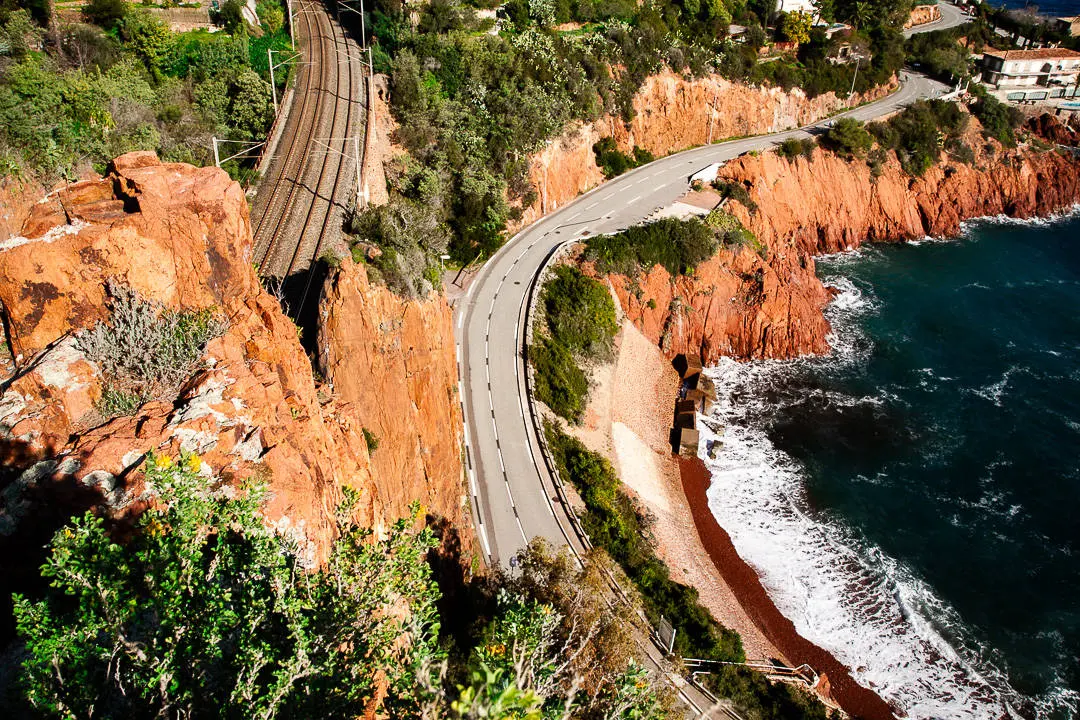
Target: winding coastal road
(513,495)
(512,492)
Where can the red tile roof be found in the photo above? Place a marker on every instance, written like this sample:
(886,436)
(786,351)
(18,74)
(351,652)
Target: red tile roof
(1040,54)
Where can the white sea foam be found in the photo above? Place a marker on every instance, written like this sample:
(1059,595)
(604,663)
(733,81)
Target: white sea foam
(841,592)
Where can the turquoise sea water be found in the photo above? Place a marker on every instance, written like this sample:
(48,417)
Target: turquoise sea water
(913,500)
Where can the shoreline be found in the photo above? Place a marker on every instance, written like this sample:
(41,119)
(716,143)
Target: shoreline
(627,419)
(853,698)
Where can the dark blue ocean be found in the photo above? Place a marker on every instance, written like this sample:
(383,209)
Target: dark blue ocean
(1054,8)
(912,501)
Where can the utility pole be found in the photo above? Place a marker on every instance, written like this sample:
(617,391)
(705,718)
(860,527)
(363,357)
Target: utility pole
(292,38)
(858,59)
(273,85)
(270,60)
(361,191)
(217,160)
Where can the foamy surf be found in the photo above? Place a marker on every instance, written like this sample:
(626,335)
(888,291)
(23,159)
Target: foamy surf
(842,593)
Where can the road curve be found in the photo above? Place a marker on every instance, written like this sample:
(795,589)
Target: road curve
(513,497)
(951,16)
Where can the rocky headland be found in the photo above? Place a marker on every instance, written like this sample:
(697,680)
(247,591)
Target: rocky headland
(752,305)
(181,236)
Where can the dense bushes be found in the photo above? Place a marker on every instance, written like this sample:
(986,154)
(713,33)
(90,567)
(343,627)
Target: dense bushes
(613,523)
(578,325)
(614,162)
(793,148)
(919,132)
(939,54)
(848,137)
(678,245)
(97,91)
(999,120)
(206,611)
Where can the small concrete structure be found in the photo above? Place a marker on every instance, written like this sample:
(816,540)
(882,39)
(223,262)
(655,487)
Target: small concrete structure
(687,441)
(686,365)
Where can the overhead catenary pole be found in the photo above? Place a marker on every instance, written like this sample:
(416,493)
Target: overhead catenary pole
(273,85)
(292,38)
(360,191)
(363,32)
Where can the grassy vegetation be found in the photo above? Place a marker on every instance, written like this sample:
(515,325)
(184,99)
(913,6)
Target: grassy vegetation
(83,93)
(145,351)
(577,326)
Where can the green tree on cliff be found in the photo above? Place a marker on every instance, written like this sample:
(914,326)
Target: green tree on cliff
(207,612)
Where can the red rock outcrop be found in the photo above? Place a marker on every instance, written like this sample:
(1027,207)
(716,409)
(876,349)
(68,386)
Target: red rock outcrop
(181,236)
(922,14)
(672,113)
(738,304)
(393,360)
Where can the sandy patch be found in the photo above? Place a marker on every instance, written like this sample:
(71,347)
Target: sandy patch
(628,420)
(636,463)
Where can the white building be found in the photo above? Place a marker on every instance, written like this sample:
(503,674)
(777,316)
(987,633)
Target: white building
(1043,74)
(806,6)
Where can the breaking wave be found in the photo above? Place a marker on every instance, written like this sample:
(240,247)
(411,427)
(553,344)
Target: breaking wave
(841,592)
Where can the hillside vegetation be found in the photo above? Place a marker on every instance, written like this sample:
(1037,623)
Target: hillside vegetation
(476,95)
(205,612)
(75,95)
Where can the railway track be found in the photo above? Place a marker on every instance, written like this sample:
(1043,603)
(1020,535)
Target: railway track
(301,203)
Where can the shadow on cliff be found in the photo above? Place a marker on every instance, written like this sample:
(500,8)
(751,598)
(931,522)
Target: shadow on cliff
(35,502)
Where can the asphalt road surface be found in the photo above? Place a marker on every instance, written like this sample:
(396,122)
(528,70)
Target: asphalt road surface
(951,16)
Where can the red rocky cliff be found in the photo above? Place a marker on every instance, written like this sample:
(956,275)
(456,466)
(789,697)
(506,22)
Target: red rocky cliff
(739,304)
(672,113)
(181,236)
(393,359)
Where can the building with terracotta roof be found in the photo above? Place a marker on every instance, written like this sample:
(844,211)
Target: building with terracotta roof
(1031,75)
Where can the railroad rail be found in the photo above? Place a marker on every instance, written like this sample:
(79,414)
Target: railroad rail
(301,202)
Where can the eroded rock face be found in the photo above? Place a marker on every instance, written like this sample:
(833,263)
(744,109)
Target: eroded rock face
(393,360)
(922,14)
(181,236)
(672,113)
(742,305)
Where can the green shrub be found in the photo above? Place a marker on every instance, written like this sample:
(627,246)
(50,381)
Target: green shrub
(559,382)
(732,233)
(793,148)
(614,162)
(677,245)
(999,120)
(848,137)
(208,612)
(146,350)
(371,440)
(735,191)
(579,313)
